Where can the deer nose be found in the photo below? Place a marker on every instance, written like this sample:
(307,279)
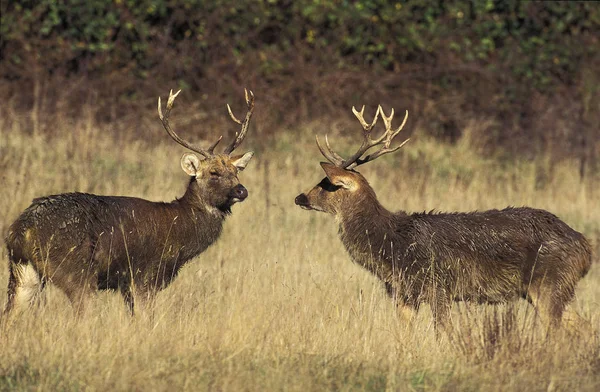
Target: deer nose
(239,192)
(302,200)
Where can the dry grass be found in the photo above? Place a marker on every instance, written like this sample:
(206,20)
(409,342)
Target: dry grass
(277,304)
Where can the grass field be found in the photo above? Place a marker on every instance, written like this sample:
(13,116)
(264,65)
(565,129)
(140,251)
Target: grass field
(276,303)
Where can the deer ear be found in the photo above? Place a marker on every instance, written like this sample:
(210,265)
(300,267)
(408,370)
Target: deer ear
(338,176)
(240,161)
(190,163)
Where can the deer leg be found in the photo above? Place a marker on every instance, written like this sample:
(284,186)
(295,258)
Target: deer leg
(145,298)
(440,308)
(573,322)
(13,283)
(128,297)
(549,302)
(137,298)
(406,309)
(407,313)
(80,294)
(534,297)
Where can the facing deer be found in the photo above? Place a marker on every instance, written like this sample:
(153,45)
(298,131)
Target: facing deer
(488,257)
(83,243)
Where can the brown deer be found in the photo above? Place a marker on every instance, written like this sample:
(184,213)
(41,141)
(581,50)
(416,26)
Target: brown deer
(492,256)
(83,243)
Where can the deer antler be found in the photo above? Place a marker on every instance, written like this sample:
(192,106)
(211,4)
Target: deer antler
(385,140)
(239,136)
(209,152)
(165,122)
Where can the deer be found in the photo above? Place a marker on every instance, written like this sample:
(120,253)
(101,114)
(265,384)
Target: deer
(83,243)
(488,257)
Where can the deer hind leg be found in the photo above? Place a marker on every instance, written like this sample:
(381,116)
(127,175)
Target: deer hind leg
(13,283)
(550,299)
(567,317)
(440,308)
(145,298)
(128,297)
(573,322)
(137,298)
(80,292)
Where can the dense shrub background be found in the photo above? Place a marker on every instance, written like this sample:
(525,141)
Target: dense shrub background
(529,70)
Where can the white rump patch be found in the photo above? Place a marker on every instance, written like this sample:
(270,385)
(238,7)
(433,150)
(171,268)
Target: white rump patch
(29,286)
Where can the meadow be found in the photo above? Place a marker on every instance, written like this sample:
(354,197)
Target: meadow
(276,303)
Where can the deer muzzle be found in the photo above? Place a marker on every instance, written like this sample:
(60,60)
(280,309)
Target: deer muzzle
(302,201)
(238,193)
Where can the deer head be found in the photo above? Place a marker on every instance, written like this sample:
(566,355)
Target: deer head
(214,177)
(343,188)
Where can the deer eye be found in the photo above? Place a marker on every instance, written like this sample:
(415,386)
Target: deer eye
(215,174)
(328,186)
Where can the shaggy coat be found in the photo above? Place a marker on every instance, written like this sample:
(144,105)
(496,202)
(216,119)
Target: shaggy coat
(83,243)
(488,257)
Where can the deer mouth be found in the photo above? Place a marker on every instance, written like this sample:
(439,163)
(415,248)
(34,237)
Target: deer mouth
(312,208)
(238,194)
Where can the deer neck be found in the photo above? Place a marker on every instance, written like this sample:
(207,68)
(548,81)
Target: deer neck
(193,200)
(365,230)
(192,227)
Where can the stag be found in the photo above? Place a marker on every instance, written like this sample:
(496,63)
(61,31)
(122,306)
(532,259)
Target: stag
(83,243)
(492,256)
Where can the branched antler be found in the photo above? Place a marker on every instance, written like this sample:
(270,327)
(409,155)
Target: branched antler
(165,122)
(210,151)
(385,140)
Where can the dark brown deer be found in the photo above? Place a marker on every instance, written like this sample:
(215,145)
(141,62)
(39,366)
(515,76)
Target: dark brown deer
(488,257)
(83,243)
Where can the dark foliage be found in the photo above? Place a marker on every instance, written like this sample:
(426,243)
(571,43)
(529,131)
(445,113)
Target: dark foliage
(530,68)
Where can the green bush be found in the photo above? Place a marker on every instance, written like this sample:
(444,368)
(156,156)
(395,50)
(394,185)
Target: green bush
(542,43)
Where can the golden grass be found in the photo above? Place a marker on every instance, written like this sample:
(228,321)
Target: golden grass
(277,304)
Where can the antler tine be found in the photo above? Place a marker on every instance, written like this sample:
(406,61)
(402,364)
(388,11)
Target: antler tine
(328,153)
(233,115)
(387,120)
(165,122)
(239,136)
(211,148)
(337,156)
(367,142)
(359,115)
(401,125)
